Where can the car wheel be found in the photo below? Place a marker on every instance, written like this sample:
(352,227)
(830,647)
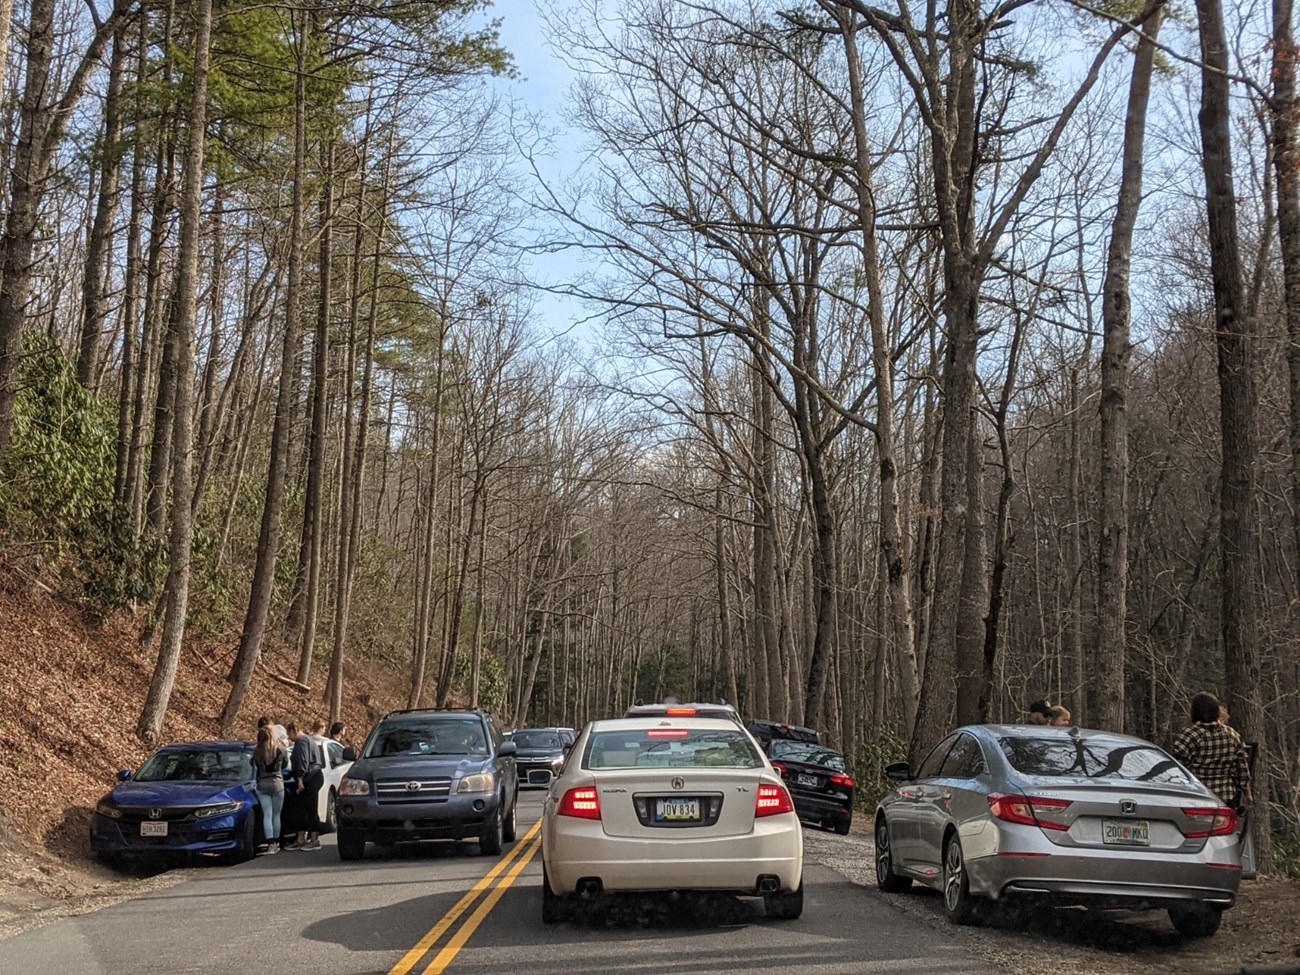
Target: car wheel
(247,840)
(886,879)
(511,827)
(783,906)
(842,827)
(1196,920)
(555,909)
(490,843)
(352,844)
(958,901)
(331,813)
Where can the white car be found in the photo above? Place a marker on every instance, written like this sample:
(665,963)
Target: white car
(662,804)
(336,767)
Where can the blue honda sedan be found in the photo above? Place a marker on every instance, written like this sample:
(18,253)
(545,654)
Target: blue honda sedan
(185,799)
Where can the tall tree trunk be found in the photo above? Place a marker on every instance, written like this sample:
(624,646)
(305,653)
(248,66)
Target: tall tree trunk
(183,322)
(259,600)
(1234,333)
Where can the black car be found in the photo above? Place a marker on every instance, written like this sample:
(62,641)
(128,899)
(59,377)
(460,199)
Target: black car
(818,782)
(767,732)
(430,774)
(540,750)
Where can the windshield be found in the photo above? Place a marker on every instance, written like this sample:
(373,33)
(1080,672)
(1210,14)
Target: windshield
(197,765)
(433,736)
(671,748)
(801,751)
(536,739)
(1093,758)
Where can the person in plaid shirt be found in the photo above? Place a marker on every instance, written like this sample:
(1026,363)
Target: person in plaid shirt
(1215,754)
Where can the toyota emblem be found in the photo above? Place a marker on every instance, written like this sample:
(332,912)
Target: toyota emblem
(678,783)
(413,787)
(155,814)
(1128,807)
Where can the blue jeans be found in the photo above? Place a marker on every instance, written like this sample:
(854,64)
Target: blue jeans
(272,804)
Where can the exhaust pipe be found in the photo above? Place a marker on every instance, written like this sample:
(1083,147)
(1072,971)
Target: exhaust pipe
(589,887)
(767,884)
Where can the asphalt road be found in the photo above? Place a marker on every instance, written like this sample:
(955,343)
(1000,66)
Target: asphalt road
(436,908)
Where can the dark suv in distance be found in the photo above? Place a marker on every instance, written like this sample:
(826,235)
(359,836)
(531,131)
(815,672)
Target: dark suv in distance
(540,750)
(430,774)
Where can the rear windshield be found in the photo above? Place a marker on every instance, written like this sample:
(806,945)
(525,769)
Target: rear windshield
(536,739)
(434,736)
(671,748)
(1092,758)
(196,765)
(800,751)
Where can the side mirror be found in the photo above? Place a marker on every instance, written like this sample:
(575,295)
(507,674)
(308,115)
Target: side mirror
(540,776)
(124,775)
(349,754)
(508,748)
(899,772)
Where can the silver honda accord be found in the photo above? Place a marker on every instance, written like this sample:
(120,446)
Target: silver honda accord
(1078,816)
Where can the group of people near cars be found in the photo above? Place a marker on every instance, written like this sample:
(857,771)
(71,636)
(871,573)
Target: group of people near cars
(1209,747)
(290,768)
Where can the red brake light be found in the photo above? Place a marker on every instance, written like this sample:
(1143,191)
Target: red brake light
(780,768)
(667,733)
(1023,810)
(682,712)
(1219,821)
(581,803)
(842,780)
(772,801)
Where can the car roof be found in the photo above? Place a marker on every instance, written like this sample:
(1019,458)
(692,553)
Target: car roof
(649,722)
(1046,731)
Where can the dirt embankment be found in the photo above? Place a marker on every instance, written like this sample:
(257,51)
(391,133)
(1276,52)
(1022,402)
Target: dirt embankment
(70,693)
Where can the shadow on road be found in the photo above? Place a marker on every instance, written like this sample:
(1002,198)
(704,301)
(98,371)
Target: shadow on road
(392,927)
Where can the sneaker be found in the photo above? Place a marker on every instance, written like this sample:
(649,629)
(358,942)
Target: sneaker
(273,848)
(290,846)
(311,846)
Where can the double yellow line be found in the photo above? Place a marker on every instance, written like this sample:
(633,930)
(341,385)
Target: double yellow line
(522,854)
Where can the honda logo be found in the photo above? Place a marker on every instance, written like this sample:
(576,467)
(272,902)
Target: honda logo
(678,783)
(155,814)
(413,787)
(1128,807)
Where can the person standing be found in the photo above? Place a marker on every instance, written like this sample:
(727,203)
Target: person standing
(309,770)
(268,764)
(1215,754)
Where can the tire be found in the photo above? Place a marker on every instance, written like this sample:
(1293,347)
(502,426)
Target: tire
(247,839)
(352,844)
(510,828)
(886,880)
(331,823)
(958,902)
(555,909)
(783,906)
(1196,920)
(489,845)
(842,826)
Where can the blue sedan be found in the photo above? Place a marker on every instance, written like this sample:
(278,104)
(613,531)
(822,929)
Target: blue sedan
(185,799)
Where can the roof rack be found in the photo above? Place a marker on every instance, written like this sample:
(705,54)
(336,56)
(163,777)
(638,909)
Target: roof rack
(435,709)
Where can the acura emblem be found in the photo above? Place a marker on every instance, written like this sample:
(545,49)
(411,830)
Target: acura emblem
(155,814)
(1128,807)
(413,787)
(678,783)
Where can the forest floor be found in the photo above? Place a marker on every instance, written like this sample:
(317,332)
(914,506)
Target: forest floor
(71,690)
(1261,933)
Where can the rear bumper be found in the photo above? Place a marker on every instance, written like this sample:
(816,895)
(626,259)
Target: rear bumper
(819,807)
(1150,879)
(576,850)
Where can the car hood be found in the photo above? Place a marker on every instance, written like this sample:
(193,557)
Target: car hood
(163,794)
(414,767)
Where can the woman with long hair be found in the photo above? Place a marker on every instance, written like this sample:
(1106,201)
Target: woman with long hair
(268,762)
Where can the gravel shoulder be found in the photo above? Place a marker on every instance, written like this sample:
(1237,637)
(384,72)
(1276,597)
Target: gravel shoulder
(1262,933)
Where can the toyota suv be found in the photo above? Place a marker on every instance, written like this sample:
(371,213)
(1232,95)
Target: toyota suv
(430,774)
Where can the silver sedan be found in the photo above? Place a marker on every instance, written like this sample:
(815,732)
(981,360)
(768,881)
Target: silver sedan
(1079,816)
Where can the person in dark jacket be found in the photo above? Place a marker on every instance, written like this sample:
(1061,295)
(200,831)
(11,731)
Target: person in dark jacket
(308,763)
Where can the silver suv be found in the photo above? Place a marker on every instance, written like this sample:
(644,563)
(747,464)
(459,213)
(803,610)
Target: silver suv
(430,774)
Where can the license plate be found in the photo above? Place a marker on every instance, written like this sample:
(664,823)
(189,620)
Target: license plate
(153,829)
(1126,832)
(809,781)
(677,810)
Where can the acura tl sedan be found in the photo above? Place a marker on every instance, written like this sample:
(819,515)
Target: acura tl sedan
(185,799)
(998,811)
(665,804)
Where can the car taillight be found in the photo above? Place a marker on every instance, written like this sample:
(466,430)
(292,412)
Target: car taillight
(1218,821)
(581,803)
(667,733)
(681,712)
(780,769)
(1028,812)
(842,780)
(772,801)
